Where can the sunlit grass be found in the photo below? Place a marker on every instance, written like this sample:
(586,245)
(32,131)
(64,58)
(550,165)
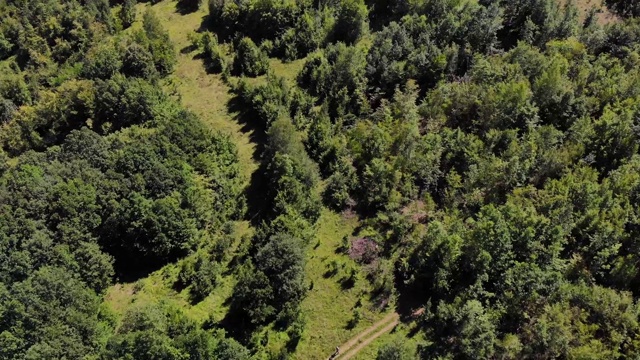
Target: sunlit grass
(328,307)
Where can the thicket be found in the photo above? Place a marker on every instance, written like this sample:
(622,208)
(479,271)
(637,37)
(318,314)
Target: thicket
(271,285)
(294,28)
(491,149)
(102,175)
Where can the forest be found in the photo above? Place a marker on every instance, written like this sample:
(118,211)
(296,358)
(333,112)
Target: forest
(472,166)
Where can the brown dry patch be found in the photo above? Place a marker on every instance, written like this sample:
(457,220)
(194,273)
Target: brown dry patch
(604,16)
(416,210)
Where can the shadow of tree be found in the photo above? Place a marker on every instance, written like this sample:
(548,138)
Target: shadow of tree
(184,7)
(258,185)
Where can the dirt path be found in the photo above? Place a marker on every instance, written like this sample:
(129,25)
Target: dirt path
(363,339)
(368,341)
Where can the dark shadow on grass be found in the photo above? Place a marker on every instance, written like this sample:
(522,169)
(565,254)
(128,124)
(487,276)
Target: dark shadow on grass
(238,325)
(255,192)
(248,120)
(347,282)
(410,298)
(186,7)
(130,266)
(178,286)
(187,49)
(292,344)
(351,324)
(330,273)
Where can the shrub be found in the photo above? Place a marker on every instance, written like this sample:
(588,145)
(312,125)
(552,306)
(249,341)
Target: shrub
(216,62)
(128,13)
(249,59)
(158,43)
(138,62)
(201,275)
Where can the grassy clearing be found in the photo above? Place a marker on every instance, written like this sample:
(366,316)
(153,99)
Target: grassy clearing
(328,307)
(157,288)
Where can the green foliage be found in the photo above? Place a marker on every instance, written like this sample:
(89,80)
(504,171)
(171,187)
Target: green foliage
(217,62)
(87,207)
(310,32)
(162,332)
(395,350)
(470,329)
(14,88)
(202,274)
(137,61)
(254,19)
(102,61)
(351,21)
(538,21)
(57,312)
(624,8)
(271,287)
(52,31)
(337,76)
(119,101)
(489,149)
(250,60)
(7,110)
(230,349)
(127,13)
(157,41)
(292,175)
(281,259)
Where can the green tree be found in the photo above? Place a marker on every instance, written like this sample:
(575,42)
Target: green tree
(249,59)
(58,302)
(351,21)
(128,13)
(395,350)
(472,331)
(281,259)
(138,61)
(102,61)
(158,43)
(217,62)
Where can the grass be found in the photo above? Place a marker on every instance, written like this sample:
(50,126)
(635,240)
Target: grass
(157,288)
(328,308)
(399,334)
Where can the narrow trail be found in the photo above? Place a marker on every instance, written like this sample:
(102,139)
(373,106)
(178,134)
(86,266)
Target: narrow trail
(368,341)
(347,350)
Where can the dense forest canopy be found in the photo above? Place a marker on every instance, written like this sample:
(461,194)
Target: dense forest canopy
(489,149)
